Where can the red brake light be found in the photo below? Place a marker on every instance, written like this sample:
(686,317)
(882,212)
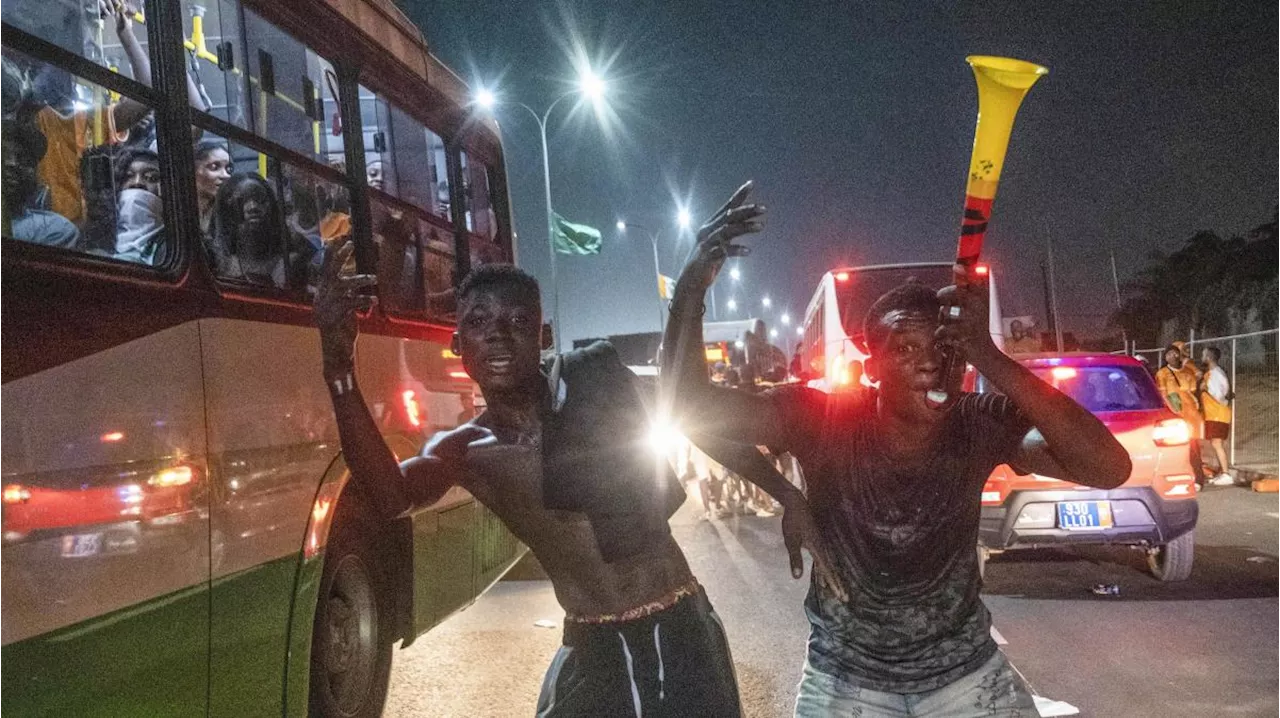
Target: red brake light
(1171,432)
(993,493)
(982,270)
(16,494)
(1062,373)
(842,276)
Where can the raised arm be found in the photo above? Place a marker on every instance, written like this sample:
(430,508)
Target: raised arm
(128,112)
(688,394)
(393,488)
(1067,442)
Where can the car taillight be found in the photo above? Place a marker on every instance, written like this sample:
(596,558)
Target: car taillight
(842,276)
(1171,432)
(175,476)
(1177,486)
(993,493)
(16,494)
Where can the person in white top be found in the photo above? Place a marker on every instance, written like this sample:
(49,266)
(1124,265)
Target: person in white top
(1215,398)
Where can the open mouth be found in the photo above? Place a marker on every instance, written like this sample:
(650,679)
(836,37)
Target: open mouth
(498,363)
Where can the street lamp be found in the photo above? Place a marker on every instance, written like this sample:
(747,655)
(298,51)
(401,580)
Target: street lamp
(799,331)
(591,86)
(657,271)
(766,302)
(733,305)
(786,319)
(735,274)
(683,219)
(773,333)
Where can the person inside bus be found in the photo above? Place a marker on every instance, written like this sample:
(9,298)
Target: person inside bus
(250,241)
(139,215)
(22,148)
(895,484)
(561,456)
(213,168)
(70,131)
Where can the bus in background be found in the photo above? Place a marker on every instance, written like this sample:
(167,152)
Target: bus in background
(180,534)
(832,349)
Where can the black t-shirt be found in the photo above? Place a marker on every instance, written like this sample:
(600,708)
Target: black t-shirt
(903,540)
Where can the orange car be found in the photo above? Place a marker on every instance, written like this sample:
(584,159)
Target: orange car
(1155,508)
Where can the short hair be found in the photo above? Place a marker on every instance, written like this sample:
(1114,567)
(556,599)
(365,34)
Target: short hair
(491,276)
(911,297)
(1214,352)
(1171,348)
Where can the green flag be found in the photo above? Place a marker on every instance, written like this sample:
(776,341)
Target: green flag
(573,238)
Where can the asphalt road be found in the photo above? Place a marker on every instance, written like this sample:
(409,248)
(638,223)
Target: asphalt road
(1206,647)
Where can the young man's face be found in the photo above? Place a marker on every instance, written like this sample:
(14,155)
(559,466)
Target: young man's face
(908,360)
(500,339)
(1206,357)
(1173,358)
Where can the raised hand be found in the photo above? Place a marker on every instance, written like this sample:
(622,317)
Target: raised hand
(337,301)
(965,323)
(715,239)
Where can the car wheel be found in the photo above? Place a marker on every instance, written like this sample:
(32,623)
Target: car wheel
(351,640)
(1172,561)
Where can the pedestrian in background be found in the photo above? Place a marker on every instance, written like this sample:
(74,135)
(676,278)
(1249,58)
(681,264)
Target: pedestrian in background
(1215,397)
(1177,380)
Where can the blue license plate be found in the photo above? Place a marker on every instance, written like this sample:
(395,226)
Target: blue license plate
(1084,515)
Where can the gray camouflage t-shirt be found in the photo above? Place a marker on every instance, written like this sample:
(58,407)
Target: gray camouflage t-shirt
(903,541)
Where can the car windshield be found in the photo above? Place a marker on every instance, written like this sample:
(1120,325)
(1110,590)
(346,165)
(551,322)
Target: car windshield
(1104,388)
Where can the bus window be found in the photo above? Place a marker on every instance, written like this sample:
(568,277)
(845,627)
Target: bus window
(399,244)
(380,163)
(859,290)
(249,239)
(81,167)
(480,217)
(420,162)
(216,58)
(290,84)
(318,210)
(117,42)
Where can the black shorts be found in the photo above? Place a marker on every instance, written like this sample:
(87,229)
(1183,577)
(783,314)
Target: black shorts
(673,663)
(1216,429)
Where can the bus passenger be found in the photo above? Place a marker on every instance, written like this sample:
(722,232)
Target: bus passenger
(139,214)
(640,635)
(250,241)
(895,488)
(23,147)
(213,167)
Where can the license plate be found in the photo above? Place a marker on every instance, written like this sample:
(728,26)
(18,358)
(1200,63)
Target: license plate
(1084,515)
(81,545)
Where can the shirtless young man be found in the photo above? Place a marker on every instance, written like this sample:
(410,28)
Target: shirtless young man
(895,487)
(640,636)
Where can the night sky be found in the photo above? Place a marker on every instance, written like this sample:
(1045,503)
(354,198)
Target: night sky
(856,122)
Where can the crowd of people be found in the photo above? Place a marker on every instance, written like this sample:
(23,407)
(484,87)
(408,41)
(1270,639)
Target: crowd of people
(889,508)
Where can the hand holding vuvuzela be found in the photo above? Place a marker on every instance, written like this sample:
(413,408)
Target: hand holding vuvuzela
(1002,83)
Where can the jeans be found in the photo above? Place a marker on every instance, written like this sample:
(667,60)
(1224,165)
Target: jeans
(991,690)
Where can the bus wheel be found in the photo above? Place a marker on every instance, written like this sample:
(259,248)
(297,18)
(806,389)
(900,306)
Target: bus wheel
(351,642)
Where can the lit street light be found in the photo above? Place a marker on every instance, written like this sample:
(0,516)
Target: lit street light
(786,319)
(799,331)
(591,86)
(735,274)
(683,219)
(766,302)
(657,270)
(733,305)
(773,333)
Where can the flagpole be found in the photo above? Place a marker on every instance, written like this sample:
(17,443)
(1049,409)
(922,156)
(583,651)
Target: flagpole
(657,270)
(551,234)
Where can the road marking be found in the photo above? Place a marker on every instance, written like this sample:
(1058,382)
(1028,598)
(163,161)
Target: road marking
(1000,641)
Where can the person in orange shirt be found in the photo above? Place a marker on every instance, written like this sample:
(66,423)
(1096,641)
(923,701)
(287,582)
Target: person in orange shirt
(1177,382)
(1215,397)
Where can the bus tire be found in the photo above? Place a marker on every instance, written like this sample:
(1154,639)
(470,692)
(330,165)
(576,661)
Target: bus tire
(352,639)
